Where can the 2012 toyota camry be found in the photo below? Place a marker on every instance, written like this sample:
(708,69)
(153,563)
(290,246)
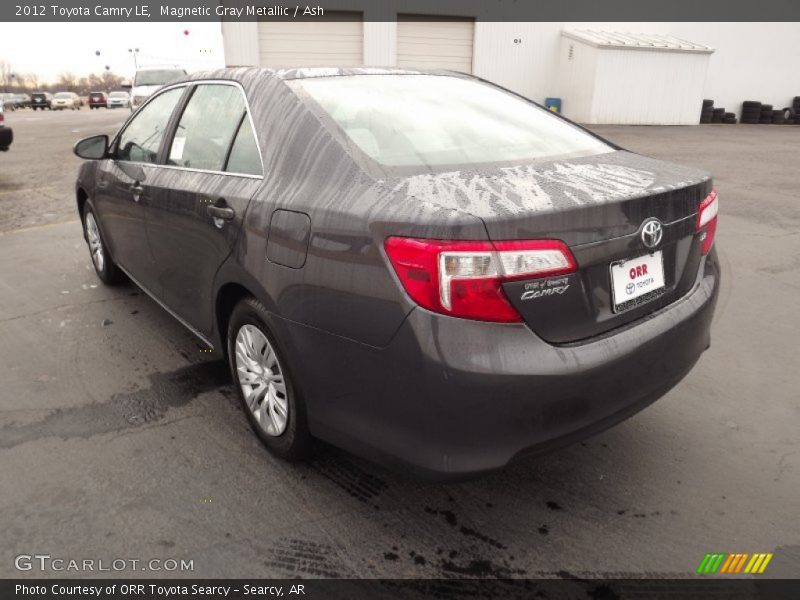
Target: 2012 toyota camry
(420,267)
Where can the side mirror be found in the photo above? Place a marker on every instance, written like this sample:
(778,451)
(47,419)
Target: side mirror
(92,148)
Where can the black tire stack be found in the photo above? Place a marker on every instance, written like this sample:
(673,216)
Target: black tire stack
(710,114)
(796,109)
(751,112)
(707,112)
(766,114)
(778,117)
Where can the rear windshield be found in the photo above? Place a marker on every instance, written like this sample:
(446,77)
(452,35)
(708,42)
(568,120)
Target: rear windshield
(117,94)
(62,95)
(434,120)
(157,76)
(37,95)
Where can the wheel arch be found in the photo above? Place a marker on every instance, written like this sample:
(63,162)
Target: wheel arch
(228,296)
(81,198)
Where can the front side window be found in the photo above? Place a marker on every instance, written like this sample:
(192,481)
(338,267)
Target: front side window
(207,127)
(140,140)
(430,120)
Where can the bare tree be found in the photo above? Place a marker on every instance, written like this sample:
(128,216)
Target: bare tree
(111,80)
(67,82)
(32,81)
(5,74)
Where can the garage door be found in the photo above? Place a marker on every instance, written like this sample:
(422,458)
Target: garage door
(435,42)
(338,42)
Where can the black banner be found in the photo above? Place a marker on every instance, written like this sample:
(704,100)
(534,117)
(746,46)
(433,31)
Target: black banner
(439,589)
(387,10)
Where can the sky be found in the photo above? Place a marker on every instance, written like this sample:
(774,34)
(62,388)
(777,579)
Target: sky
(50,49)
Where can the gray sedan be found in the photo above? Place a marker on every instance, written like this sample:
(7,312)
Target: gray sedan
(420,267)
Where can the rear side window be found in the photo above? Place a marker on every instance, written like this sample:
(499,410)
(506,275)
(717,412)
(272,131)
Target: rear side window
(244,156)
(140,140)
(207,127)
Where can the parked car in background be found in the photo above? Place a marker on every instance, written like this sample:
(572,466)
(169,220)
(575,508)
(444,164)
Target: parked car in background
(148,79)
(41,100)
(119,100)
(66,100)
(98,100)
(456,276)
(23,100)
(10,101)
(6,134)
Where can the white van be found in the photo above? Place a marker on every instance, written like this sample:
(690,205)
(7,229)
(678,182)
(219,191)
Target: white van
(148,79)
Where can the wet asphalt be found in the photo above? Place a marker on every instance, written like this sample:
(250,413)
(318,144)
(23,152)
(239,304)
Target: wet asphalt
(120,438)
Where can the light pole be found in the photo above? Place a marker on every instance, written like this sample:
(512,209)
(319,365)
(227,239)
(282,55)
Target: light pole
(134,52)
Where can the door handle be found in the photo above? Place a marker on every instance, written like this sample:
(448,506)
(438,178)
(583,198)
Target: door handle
(136,190)
(221,212)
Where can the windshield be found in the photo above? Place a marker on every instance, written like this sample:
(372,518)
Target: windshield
(62,95)
(157,76)
(430,120)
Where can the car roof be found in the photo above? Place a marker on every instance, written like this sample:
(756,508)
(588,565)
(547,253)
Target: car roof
(311,72)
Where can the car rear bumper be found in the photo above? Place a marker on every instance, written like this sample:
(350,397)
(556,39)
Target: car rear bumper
(452,397)
(6,137)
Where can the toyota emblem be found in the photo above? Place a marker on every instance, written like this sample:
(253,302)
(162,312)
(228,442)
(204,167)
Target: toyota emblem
(652,232)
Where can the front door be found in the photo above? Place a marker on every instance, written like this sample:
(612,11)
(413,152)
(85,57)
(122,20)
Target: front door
(123,186)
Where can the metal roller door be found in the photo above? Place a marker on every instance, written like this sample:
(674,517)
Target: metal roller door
(337,42)
(435,42)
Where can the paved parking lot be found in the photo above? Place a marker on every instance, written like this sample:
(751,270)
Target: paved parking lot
(120,439)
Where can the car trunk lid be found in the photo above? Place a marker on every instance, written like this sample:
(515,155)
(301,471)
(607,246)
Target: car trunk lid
(599,207)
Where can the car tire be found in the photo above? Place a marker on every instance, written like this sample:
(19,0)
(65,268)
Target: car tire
(104,265)
(276,411)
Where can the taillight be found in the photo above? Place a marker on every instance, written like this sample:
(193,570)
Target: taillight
(707,220)
(2,118)
(464,279)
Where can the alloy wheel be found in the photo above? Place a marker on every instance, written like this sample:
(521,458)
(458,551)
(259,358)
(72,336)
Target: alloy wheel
(95,243)
(261,378)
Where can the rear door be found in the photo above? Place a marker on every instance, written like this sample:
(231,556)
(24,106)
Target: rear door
(213,167)
(123,186)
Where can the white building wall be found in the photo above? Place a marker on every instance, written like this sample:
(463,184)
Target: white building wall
(752,61)
(240,42)
(380,44)
(633,87)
